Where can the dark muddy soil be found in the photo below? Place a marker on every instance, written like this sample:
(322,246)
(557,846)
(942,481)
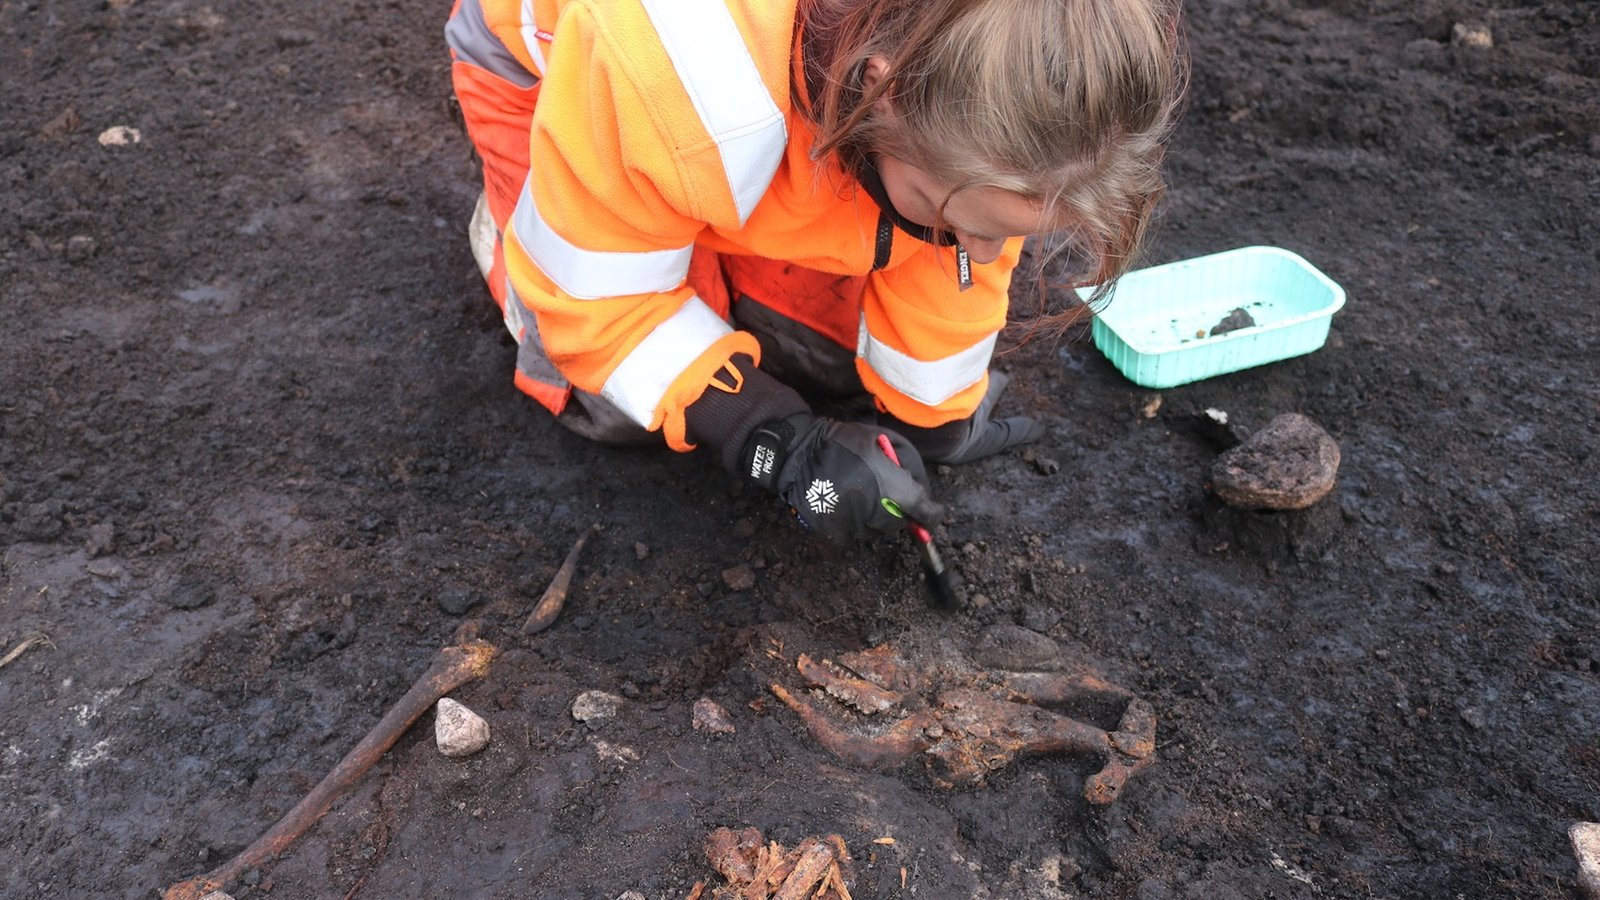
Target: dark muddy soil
(260,455)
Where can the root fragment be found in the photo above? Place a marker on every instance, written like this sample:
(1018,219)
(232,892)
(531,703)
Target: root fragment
(23,646)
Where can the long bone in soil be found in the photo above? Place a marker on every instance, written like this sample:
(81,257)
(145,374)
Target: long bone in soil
(465,660)
(453,667)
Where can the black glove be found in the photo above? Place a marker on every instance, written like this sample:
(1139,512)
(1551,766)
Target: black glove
(975,437)
(836,476)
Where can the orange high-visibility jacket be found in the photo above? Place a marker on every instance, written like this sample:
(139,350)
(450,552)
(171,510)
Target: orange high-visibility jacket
(663,126)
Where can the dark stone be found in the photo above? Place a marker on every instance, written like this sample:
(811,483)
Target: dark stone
(1018,649)
(739,578)
(457,599)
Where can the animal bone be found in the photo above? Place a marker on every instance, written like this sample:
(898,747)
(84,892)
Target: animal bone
(453,667)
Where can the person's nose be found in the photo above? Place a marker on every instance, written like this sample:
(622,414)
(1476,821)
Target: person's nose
(981,250)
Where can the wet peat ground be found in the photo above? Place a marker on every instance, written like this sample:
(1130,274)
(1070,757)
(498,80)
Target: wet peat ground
(259,454)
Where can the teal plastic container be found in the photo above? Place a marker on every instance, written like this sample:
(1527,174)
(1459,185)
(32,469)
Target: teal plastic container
(1157,327)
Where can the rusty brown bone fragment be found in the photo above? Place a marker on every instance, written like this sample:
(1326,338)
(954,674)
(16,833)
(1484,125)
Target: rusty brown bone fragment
(555,596)
(758,869)
(965,733)
(453,667)
(863,695)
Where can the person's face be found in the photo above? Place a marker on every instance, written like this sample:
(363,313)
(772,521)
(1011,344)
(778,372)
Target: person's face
(982,218)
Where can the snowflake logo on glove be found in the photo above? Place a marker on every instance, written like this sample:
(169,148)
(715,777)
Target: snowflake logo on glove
(821,497)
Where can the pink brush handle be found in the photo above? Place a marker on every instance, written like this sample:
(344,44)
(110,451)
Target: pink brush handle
(888,450)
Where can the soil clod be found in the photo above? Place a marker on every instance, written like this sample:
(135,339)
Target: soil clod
(1233,321)
(1289,464)
(711,717)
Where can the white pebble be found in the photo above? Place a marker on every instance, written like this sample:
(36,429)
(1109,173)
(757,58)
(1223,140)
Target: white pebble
(457,730)
(615,753)
(595,706)
(1586,843)
(119,136)
(1477,37)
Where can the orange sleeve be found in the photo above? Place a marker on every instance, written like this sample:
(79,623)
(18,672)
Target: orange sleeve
(926,346)
(622,181)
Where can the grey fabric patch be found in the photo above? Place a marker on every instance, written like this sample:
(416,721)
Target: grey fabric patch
(596,418)
(469,36)
(804,359)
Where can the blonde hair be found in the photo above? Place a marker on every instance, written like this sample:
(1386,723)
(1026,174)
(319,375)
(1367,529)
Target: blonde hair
(1067,102)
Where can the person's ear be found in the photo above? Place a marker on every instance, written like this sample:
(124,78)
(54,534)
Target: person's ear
(875,70)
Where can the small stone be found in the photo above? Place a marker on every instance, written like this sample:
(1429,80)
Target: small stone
(595,707)
(1045,466)
(102,539)
(217,895)
(710,716)
(106,568)
(1472,35)
(458,731)
(1289,464)
(1586,844)
(119,136)
(1233,321)
(1474,718)
(640,552)
(615,753)
(630,895)
(66,122)
(739,578)
(1016,649)
(80,247)
(744,528)
(457,599)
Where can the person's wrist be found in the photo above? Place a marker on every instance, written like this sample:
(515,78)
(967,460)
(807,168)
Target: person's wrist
(723,420)
(765,452)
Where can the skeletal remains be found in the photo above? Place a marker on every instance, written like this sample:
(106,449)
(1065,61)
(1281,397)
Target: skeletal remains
(465,660)
(967,721)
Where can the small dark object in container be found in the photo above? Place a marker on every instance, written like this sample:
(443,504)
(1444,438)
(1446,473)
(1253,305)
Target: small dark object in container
(1236,320)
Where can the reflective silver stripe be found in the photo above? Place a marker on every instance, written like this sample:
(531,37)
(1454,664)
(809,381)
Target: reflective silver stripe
(591,274)
(530,36)
(930,383)
(532,361)
(715,67)
(469,36)
(638,384)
